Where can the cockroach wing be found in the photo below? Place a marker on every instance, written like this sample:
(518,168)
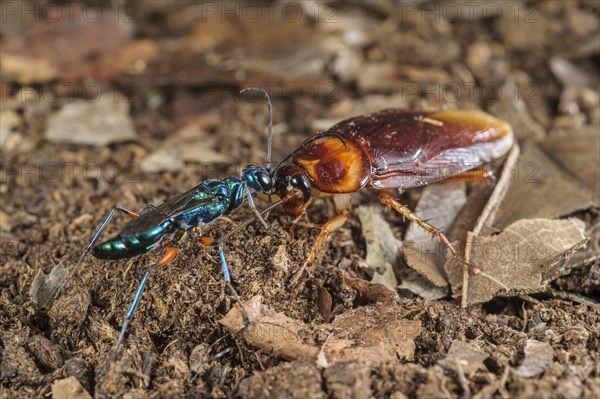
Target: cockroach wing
(409,149)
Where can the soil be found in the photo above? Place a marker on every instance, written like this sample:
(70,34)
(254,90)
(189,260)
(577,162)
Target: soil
(175,345)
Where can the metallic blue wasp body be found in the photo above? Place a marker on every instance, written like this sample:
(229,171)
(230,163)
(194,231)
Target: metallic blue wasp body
(179,217)
(193,209)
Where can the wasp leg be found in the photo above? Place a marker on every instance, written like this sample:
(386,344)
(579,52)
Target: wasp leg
(481,173)
(257,213)
(166,259)
(387,199)
(227,277)
(117,207)
(145,209)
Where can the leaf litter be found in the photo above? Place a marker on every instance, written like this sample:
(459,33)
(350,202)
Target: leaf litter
(180,312)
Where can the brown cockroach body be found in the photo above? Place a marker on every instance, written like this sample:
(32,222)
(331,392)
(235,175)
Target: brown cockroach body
(390,149)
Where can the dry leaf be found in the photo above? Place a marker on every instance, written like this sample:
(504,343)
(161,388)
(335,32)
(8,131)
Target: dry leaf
(370,291)
(324,300)
(539,357)
(510,107)
(382,246)
(577,151)
(439,205)
(417,284)
(95,123)
(540,189)
(514,261)
(270,331)
(44,287)
(162,160)
(371,334)
(469,356)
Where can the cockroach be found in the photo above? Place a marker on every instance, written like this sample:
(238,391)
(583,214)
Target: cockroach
(389,150)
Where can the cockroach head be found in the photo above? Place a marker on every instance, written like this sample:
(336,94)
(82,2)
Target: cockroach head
(292,178)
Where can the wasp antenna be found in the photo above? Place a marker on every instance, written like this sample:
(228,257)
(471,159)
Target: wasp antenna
(270,126)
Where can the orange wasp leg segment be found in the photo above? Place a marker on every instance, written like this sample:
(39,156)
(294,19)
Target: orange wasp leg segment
(342,205)
(387,199)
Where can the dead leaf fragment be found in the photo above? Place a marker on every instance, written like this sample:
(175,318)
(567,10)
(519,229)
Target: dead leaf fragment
(370,291)
(44,287)
(577,151)
(163,160)
(69,388)
(382,246)
(511,108)
(540,189)
(539,357)
(439,204)
(514,261)
(324,300)
(372,334)
(468,355)
(270,331)
(98,122)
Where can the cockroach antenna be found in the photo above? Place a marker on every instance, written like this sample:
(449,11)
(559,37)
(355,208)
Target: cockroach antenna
(270,126)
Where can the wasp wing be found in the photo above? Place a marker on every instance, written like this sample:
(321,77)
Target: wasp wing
(191,207)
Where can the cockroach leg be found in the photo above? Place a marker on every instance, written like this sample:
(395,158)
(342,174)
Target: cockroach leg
(387,199)
(330,226)
(299,217)
(342,206)
(294,222)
